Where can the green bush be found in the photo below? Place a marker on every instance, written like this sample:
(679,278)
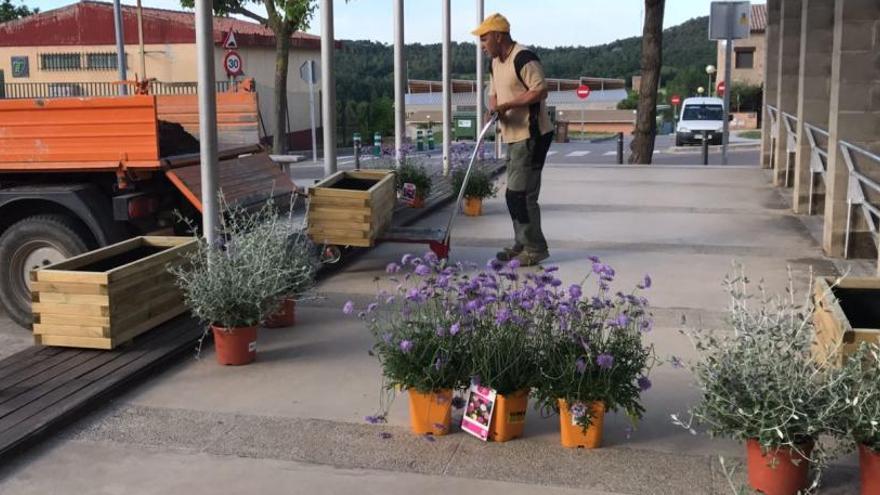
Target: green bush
(480,183)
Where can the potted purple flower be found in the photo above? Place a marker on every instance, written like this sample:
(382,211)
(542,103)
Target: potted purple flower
(419,342)
(591,353)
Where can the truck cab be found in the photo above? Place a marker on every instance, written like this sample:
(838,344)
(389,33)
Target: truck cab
(700,116)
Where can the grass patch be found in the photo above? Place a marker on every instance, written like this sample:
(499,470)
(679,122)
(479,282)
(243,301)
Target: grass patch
(749,134)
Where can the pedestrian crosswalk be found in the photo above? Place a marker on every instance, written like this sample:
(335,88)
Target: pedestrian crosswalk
(578,153)
(551,153)
(609,153)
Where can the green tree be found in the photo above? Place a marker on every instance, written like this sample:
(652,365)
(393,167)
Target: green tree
(631,102)
(10,11)
(283,17)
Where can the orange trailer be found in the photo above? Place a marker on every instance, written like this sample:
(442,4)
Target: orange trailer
(81,173)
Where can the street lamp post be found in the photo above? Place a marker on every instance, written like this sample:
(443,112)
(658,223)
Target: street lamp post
(710,70)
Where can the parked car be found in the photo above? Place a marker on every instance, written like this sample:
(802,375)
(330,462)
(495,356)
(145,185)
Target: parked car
(698,116)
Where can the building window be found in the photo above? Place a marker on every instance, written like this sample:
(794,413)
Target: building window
(60,61)
(101,61)
(745,58)
(60,90)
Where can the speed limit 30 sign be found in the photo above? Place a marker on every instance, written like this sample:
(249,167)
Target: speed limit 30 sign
(232,63)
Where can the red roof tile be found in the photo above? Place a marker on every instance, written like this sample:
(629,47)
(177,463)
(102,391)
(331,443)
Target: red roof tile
(759,18)
(68,26)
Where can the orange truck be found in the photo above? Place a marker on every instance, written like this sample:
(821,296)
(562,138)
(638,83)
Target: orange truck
(81,173)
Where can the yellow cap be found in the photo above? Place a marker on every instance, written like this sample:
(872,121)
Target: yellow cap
(495,22)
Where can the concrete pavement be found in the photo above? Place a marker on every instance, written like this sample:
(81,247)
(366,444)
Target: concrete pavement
(293,421)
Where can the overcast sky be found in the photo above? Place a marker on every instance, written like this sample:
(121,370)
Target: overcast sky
(542,22)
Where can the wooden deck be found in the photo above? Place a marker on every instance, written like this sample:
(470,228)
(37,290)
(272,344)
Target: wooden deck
(43,388)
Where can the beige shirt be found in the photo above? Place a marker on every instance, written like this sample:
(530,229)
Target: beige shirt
(505,86)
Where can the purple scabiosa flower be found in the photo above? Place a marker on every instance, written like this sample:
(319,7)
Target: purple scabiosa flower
(676,362)
(440,331)
(622,320)
(646,325)
(527,305)
(372,307)
(502,316)
(564,309)
(406,259)
(458,402)
(386,337)
(551,269)
(392,268)
(556,282)
(580,365)
(413,294)
(513,264)
(406,345)
(494,265)
(455,328)
(348,308)
(605,361)
(375,420)
(594,259)
(575,291)
(430,257)
(644,383)
(646,283)
(473,305)
(423,270)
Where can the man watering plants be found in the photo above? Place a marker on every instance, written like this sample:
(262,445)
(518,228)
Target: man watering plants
(518,93)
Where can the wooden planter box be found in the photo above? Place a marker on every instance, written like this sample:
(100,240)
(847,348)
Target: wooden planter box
(845,316)
(351,207)
(105,297)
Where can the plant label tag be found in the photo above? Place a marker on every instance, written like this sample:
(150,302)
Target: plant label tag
(478,411)
(408,193)
(252,346)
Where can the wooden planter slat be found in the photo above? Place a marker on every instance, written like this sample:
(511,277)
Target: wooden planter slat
(836,338)
(102,309)
(348,217)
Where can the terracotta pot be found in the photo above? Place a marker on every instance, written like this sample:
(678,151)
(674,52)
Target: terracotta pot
(472,207)
(572,434)
(870,470)
(773,473)
(418,202)
(509,416)
(235,346)
(431,412)
(284,317)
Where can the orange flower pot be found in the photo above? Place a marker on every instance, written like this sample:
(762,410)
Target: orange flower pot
(235,346)
(572,434)
(509,416)
(417,202)
(869,461)
(430,413)
(284,317)
(472,207)
(773,473)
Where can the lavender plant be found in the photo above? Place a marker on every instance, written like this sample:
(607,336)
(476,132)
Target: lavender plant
(591,348)
(759,380)
(860,392)
(239,281)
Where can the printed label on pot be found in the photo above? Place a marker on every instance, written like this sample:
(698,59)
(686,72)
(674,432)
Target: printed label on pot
(478,412)
(577,411)
(408,193)
(516,417)
(252,347)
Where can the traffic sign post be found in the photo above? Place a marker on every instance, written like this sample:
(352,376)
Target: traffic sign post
(583,92)
(308,72)
(728,21)
(676,101)
(377,144)
(233,64)
(721,88)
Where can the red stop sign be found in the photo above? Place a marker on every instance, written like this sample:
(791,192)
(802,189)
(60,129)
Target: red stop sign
(675,99)
(583,91)
(720,88)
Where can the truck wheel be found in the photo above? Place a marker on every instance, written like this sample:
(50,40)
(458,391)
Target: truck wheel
(33,243)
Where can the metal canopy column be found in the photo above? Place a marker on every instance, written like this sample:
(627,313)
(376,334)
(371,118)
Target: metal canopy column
(447,87)
(328,87)
(399,81)
(207,118)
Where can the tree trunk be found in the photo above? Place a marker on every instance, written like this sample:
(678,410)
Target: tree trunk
(652,59)
(282,50)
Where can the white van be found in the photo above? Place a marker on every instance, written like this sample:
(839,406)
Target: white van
(698,116)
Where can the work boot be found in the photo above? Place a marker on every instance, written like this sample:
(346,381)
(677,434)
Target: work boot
(530,258)
(508,253)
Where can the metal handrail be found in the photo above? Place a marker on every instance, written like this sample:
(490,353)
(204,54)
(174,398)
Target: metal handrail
(791,124)
(856,193)
(818,159)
